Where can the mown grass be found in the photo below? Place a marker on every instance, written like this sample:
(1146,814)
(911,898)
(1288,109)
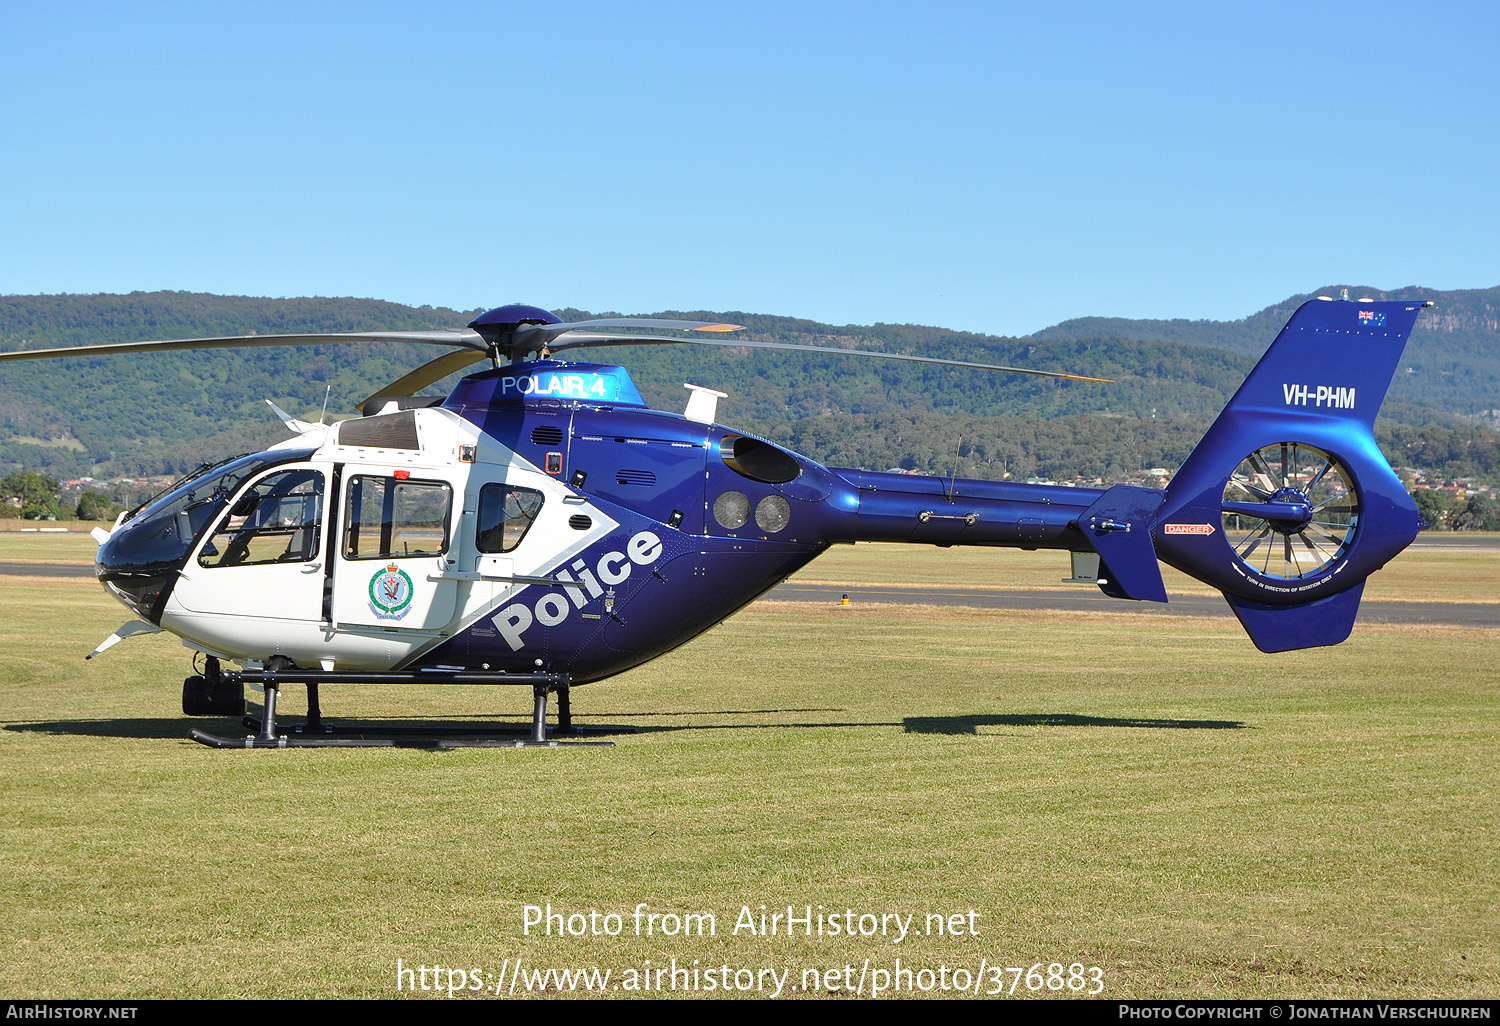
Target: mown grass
(1155,798)
(74,547)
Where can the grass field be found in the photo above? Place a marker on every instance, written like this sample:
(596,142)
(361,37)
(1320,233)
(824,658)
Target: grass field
(1157,799)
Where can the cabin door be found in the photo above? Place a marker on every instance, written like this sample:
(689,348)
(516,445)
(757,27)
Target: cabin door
(264,558)
(395,541)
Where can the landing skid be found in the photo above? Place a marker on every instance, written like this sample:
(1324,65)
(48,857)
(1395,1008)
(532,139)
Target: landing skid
(252,723)
(316,734)
(416,740)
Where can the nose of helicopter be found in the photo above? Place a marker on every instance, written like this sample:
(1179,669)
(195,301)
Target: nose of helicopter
(139,562)
(140,585)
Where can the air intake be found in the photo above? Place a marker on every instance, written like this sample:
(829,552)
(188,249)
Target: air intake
(388,431)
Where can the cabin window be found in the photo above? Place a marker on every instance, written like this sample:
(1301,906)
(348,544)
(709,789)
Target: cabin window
(391,518)
(275,520)
(757,460)
(506,513)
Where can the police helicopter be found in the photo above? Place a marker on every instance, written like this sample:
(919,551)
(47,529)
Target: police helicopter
(541,526)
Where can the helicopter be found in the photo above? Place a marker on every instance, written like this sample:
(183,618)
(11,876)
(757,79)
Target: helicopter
(541,526)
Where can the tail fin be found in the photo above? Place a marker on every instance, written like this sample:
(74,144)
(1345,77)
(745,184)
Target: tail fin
(1287,504)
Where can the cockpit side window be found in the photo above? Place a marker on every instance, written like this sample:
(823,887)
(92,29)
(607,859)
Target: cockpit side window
(163,532)
(277,520)
(506,513)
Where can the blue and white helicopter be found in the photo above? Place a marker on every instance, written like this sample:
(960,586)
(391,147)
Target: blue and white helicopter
(541,526)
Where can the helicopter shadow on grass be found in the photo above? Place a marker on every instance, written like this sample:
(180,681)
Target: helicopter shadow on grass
(412,733)
(955,725)
(950,725)
(143,728)
(430,734)
(404,733)
(397,733)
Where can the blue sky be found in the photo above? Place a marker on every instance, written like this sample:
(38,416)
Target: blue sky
(991,167)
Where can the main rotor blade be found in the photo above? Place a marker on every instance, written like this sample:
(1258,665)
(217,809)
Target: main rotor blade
(580,339)
(457,337)
(539,336)
(647,322)
(433,370)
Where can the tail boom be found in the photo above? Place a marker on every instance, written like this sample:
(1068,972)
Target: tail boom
(1286,505)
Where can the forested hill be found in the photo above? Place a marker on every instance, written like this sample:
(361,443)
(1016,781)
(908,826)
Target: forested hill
(1452,362)
(165,412)
(1459,311)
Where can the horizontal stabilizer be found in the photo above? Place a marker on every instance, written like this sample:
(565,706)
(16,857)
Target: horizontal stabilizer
(1118,525)
(1284,628)
(128,629)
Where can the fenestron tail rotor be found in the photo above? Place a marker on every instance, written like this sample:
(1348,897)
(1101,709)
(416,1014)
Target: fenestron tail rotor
(1290,511)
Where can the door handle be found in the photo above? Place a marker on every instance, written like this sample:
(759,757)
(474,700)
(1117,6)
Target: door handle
(311,568)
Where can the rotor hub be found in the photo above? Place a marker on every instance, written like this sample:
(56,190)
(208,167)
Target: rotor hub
(503,329)
(1297,513)
(512,316)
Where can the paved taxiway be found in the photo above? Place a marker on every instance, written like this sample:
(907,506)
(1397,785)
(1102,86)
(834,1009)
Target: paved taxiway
(1088,598)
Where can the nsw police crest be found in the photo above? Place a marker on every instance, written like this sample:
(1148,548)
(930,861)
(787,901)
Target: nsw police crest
(390,593)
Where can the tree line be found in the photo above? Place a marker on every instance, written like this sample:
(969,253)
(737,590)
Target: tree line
(162,414)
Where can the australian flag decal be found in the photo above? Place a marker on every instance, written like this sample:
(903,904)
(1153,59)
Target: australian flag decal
(1371,319)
